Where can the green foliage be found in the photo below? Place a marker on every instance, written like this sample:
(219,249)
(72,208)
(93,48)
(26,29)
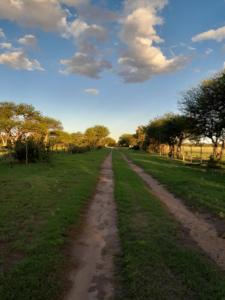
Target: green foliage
(17,121)
(31,150)
(94,136)
(77,149)
(205,105)
(109,142)
(169,129)
(127,140)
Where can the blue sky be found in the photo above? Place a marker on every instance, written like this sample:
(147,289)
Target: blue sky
(117,63)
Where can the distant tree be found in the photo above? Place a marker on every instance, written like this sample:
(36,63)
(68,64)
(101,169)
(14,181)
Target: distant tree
(170,129)
(140,137)
(109,142)
(205,105)
(127,140)
(78,139)
(95,136)
(20,121)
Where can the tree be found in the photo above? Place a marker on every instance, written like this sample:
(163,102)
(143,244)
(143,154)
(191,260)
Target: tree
(140,137)
(20,121)
(127,140)
(205,105)
(94,136)
(170,129)
(109,142)
(78,139)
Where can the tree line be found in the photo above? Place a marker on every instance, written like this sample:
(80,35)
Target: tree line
(201,118)
(31,136)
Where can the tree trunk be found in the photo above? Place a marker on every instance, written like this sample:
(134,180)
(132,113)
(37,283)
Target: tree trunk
(221,151)
(215,150)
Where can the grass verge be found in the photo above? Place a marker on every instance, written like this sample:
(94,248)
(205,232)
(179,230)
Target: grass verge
(158,260)
(201,189)
(38,204)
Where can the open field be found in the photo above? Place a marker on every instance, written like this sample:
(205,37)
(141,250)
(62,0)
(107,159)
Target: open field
(201,188)
(38,204)
(158,259)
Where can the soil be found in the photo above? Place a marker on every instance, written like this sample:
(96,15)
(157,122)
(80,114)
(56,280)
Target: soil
(93,250)
(202,231)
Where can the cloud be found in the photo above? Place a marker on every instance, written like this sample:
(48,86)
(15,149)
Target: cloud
(18,60)
(143,59)
(46,14)
(5,45)
(191,48)
(28,40)
(2,34)
(84,64)
(79,28)
(213,34)
(208,51)
(93,92)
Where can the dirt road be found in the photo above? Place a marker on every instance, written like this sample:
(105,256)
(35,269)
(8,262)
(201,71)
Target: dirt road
(201,231)
(94,249)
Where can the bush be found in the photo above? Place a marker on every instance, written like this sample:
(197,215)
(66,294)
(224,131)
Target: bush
(213,163)
(78,149)
(36,151)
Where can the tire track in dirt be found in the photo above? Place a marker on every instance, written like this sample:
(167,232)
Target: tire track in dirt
(95,247)
(201,231)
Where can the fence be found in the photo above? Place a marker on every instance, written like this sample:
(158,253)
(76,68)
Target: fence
(192,152)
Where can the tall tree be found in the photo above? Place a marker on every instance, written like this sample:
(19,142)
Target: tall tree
(95,135)
(205,105)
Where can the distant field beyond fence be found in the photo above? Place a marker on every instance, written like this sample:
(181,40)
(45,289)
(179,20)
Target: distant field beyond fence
(190,152)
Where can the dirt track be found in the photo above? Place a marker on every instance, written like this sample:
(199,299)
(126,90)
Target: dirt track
(95,247)
(201,231)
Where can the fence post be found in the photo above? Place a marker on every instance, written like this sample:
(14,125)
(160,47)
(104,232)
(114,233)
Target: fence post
(201,155)
(26,153)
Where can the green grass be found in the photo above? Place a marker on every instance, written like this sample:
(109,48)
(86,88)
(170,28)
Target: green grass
(157,260)
(38,205)
(201,188)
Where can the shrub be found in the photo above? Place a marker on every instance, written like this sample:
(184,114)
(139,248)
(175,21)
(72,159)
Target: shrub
(78,149)
(33,150)
(213,163)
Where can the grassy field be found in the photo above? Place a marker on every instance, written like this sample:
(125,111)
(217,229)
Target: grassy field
(157,259)
(202,189)
(38,205)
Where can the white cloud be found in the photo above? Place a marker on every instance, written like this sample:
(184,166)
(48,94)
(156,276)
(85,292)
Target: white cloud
(28,40)
(213,34)
(5,45)
(191,48)
(2,34)
(208,51)
(46,14)
(18,60)
(80,29)
(143,59)
(93,92)
(84,64)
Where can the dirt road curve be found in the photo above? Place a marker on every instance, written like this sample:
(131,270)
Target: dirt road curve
(202,232)
(94,249)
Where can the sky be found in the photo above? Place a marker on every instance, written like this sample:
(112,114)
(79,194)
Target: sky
(111,62)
